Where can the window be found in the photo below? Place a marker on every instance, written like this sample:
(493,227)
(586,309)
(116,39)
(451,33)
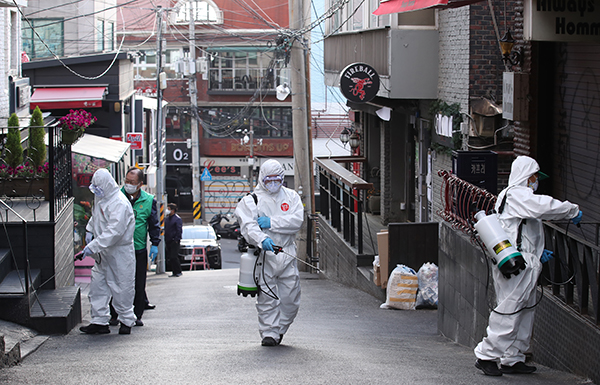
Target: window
(51,32)
(15,51)
(202,11)
(99,35)
(110,35)
(266,122)
(237,69)
(145,64)
(179,125)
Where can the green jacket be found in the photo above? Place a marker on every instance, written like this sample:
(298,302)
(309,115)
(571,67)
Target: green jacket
(146,220)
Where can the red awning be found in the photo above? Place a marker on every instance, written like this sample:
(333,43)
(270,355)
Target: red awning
(65,98)
(396,6)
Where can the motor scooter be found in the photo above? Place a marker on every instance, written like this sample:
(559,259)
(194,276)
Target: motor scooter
(227,230)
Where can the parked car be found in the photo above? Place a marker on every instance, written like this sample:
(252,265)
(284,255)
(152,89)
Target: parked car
(196,236)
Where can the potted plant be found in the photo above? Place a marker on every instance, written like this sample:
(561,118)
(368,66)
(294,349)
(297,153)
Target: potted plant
(14,150)
(74,124)
(37,146)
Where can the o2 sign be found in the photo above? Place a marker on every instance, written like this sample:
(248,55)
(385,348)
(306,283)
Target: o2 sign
(178,153)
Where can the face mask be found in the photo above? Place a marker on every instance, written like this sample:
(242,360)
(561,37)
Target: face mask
(130,188)
(97,191)
(273,186)
(168,212)
(534,186)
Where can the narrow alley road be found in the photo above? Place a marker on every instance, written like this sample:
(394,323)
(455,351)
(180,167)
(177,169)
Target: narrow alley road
(201,332)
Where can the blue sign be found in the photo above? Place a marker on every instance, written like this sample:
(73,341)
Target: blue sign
(205,175)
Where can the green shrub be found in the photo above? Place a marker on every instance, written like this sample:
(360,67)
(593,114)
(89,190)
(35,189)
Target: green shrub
(37,146)
(14,150)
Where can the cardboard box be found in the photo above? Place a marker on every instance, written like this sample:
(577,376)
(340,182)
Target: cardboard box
(383,249)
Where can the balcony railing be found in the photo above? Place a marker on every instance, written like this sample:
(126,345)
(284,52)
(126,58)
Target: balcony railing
(342,197)
(574,272)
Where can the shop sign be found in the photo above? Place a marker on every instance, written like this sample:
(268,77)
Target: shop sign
(223,170)
(135,139)
(359,82)
(178,153)
(561,20)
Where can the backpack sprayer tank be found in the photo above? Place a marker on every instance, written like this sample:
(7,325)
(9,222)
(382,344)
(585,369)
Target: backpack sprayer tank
(246,283)
(509,259)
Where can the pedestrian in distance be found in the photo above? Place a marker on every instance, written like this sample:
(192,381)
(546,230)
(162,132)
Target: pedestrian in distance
(111,225)
(173,230)
(520,213)
(146,223)
(273,219)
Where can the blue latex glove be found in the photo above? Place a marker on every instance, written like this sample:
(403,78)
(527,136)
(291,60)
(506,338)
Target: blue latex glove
(264,222)
(88,237)
(546,256)
(268,244)
(577,219)
(153,252)
(87,252)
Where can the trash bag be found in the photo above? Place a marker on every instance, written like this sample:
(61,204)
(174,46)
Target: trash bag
(376,271)
(427,297)
(402,289)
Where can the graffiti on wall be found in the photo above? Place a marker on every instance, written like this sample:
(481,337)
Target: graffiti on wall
(221,196)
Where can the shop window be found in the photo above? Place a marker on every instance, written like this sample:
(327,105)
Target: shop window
(237,69)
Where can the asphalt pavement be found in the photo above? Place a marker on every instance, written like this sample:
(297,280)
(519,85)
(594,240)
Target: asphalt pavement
(203,332)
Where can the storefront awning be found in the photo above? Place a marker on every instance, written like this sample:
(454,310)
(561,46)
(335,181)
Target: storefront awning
(65,98)
(398,6)
(100,148)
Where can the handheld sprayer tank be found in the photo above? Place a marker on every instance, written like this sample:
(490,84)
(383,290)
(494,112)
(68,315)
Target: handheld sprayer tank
(509,259)
(246,283)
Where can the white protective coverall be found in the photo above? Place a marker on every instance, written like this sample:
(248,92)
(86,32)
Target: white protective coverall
(280,271)
(508,336)
(113,274)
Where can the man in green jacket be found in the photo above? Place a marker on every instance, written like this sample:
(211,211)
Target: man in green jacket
(146,223)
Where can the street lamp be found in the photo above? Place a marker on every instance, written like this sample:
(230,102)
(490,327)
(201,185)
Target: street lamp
(354,141)
(506,44)
(344,136)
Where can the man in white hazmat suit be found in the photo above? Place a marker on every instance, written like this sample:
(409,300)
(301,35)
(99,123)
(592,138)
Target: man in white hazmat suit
(508,336)
(113,275)
(274,219)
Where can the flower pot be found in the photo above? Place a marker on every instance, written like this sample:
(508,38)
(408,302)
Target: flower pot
(70,136)
(25,187)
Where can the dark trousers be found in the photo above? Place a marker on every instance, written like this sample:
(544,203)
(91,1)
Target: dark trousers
(140,299)
(172,254)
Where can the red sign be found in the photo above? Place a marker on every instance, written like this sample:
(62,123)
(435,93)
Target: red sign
(135,139)
(285,207)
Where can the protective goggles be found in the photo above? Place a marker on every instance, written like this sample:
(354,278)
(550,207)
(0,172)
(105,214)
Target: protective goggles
(275,178)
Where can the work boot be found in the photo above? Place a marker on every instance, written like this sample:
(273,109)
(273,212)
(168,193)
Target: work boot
(124,329)
(280,339)
(138,322)
(113,322)
(269,341)
(95,329)
(489,367)
(518,368)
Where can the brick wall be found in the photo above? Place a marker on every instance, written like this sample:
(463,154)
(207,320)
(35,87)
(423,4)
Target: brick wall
(4,64)
(453,80)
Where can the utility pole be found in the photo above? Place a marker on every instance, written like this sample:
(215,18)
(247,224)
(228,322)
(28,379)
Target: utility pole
(299,18)
(160,138)
(251,159)
(194,105)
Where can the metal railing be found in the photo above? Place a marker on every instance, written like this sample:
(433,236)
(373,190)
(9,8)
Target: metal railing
(57,187)
(574,272)
(342,197)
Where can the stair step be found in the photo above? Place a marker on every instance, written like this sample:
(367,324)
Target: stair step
(13,285)
(62,308)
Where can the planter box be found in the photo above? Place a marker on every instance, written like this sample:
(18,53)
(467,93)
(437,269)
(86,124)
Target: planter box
(21,187)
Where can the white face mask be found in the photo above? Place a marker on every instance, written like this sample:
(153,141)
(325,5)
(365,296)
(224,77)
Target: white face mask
(168,212)
(534,186)
(130,188)
(273,186)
